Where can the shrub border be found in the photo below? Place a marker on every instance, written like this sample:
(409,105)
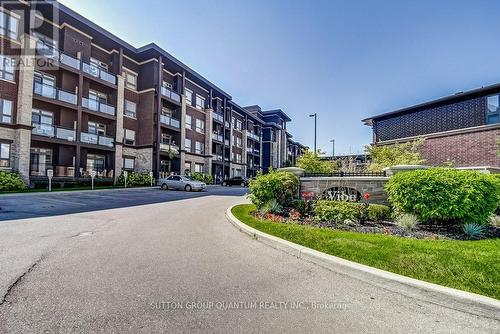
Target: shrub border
(449,297)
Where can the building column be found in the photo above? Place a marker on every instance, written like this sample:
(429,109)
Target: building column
(208,140)
(120,105)
(183,133)
(22,140)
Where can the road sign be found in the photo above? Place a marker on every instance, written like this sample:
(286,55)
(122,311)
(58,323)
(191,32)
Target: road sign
(50,174)
(93,175)
(125,176)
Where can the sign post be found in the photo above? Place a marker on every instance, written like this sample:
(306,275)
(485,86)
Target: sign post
(125,176)
(50,174)
(151,178)
(92,176)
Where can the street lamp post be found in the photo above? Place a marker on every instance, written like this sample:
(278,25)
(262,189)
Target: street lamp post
(315,115)
(333,147)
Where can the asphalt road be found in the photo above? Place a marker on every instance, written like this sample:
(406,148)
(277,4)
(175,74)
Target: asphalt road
(177,265)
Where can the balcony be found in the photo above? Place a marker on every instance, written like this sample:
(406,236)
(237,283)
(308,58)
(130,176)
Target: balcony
(54,132)
(218,117)
(227,124)
(99,73)
(53,93)
(90,138)
(98,106)
(168,147)
(169,121)
(50,52)
(217,157)
(218,137)
(226,142)
(59,171)
(253,136)
(170,94)
(249,150)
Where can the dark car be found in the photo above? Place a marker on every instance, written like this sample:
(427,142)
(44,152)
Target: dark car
(236,181)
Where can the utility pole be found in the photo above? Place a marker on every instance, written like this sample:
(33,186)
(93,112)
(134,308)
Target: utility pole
(333,147)
(315,115)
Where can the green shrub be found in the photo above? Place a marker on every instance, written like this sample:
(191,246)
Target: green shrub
(397,154)
(473,231)
(494,220)
(378,212)
(444,195)
(272,207)
(207,178)
(304,207)
(10,181)
(332,211)
(135,179)
(279,185)
(407,221)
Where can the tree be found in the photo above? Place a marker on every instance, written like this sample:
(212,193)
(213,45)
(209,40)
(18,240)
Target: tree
(397,154)
(311,163)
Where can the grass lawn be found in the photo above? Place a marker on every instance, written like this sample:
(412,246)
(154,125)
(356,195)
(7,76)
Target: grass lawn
(466,265)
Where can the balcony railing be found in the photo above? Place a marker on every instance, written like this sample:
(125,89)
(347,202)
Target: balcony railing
(249,150)
(167,120)
(59,171)
(227,124)
(217,136)
(218,117)
(90,138)
(54,93)
(98,72)
(170,94)
(166,147)
(217,157)
(253,136)
(54,132)
(226,142)
(98,106)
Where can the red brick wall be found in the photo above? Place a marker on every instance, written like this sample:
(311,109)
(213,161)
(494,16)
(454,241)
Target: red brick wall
(464,150)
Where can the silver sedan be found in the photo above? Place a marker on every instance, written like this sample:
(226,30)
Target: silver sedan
(181,182)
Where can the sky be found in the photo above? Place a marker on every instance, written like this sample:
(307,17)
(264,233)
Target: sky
(344,60)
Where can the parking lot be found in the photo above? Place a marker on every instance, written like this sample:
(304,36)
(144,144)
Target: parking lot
(30,205)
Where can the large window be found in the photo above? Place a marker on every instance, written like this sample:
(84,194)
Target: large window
(200,126)
(42,122)
(7,66)
(187,144)
(493,109)
(5,111)
(200,147)
(198,168)
(130,80)
(9,26)
(128,163)
(4,155)
(129,137)
(130,109)
(40,161)
(95,162)
(188,122)
(97,128)
(189,96)
(200,102)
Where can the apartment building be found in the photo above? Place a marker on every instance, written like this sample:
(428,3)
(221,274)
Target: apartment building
(75,99)
(462,129)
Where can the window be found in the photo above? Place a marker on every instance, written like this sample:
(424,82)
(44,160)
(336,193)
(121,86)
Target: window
(96,128)
(128,163)
(9,25)
(40,161)
(492,109)
(238,141)
(239,125)
(5,111)
(7,66)
(187,167)
(200,102)
(129,137)
(4,155)
(99,64)
(187,144)
(130,80)
(95,162)
(199,147)
(188,122)
(238,157)
(130,108)
(198,168)
(189,96)
(43,122)
(200,126)
(166,85)
(166,139)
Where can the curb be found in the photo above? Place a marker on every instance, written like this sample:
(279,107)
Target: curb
(40,193)
(466,301)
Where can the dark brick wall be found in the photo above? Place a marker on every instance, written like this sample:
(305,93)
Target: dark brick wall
(454,116)
(464,150)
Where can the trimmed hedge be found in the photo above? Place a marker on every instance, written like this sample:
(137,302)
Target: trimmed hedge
(279,185)
(444,195)
(378,212)
(135,179)
(206,178)
(336,211)
(10,181)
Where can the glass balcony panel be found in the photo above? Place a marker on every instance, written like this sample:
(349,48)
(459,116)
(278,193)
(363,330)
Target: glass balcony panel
(107,109)
(67,97)
(105,141)
(111,78)
(70,61)
(43,130)
(66,134)
(88,138)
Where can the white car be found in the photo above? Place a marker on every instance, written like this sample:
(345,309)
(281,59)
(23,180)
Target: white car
(181,182)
